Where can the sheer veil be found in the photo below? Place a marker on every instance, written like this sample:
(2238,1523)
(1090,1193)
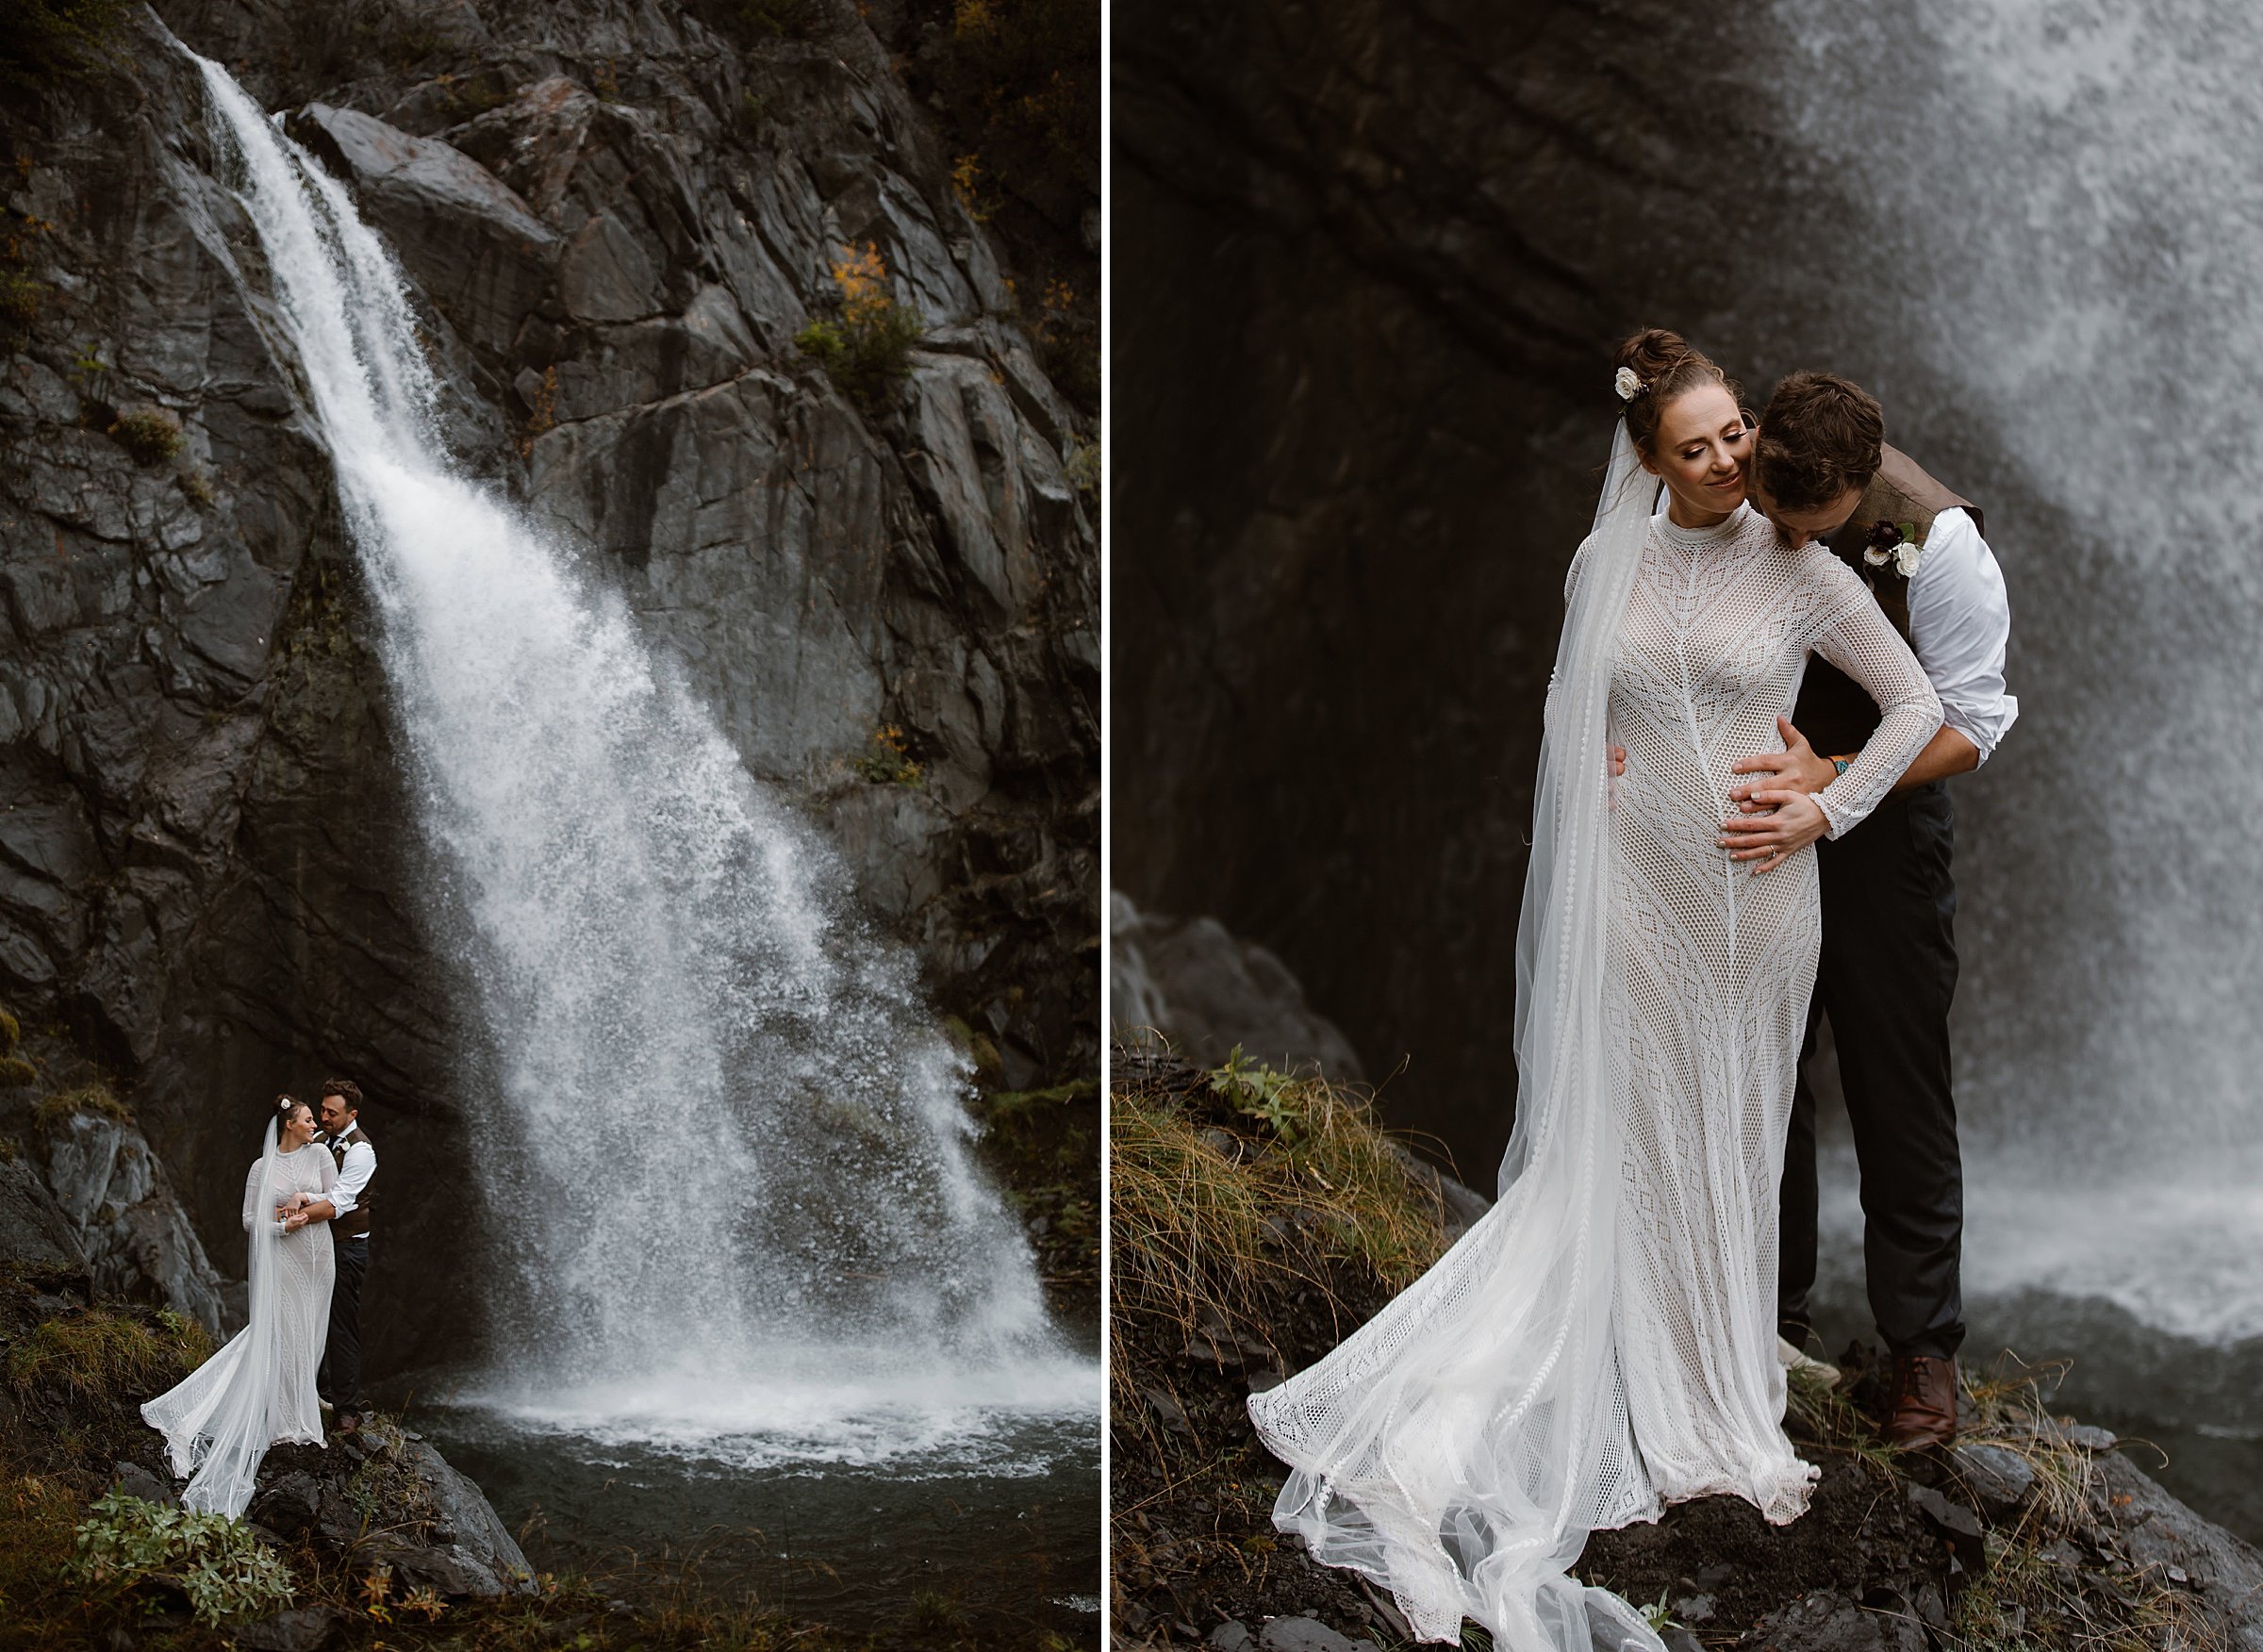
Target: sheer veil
(1462,1444)
(219,1420)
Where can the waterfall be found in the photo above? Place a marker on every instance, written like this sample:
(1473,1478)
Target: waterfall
(731,1156)
(2038,230)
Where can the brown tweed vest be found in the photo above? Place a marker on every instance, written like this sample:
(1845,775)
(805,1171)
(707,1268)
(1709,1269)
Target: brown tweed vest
(1835,712)
(354,1224)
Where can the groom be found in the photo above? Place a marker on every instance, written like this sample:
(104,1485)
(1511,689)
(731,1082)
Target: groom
(339,1381)
(1821,470)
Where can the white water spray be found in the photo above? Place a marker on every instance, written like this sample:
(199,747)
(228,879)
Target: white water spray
(2060,222)
(732,1157)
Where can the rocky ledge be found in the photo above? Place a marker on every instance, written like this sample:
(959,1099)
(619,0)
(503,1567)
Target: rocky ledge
(1256,1223)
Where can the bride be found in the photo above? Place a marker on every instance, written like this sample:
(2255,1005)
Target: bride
(258,1390)
(1603,1342)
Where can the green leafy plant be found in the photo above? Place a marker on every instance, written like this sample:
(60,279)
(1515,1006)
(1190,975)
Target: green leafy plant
(887,759)
(1659,1614)
(868,351)
(1254,1088)
(212,1559)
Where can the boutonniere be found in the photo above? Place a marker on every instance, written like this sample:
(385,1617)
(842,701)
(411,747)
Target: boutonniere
(1897,543)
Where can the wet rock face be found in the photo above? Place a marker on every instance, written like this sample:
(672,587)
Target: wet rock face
(616,221)
(1371,261)
(136,1237)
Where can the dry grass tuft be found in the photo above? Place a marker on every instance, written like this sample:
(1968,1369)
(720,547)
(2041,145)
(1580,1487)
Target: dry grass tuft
(100,1356)
(1236,1191)
(64,1105)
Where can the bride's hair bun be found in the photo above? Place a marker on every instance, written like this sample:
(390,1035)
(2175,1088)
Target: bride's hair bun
(1665,366)
(284,1106)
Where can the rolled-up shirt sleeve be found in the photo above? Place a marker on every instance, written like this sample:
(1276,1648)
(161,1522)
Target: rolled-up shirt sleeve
(361,1164)
(1960,623)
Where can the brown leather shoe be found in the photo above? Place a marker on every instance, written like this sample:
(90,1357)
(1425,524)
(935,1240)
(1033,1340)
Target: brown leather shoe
(1924,1409)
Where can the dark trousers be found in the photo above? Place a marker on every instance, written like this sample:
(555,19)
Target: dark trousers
(339,1381)
(1887,973)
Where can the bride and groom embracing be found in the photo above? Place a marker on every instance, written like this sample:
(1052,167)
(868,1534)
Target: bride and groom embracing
(1605,1340)
(307,1211)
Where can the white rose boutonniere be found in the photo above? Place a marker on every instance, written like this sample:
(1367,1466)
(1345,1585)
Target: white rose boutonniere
(1896,544)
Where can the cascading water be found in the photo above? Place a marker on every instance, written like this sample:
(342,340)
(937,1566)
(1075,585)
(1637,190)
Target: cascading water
(732,1156)
(2035,230)
(2067,224)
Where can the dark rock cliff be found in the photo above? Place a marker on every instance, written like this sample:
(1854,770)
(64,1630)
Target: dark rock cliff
(616,217)
(1371,261)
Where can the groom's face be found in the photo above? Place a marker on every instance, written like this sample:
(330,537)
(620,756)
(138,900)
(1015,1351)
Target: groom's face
(336,1119)
(1801,527)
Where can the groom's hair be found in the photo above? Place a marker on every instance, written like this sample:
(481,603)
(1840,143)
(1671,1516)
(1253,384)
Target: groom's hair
(346,1090)
(1820,435)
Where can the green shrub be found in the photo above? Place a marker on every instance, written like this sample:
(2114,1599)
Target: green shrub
(214,1560)
(1022,78)
(16,1070)
(20,298)
(772,17)
(148,434)
(44,40)
(868,350)
(887,760)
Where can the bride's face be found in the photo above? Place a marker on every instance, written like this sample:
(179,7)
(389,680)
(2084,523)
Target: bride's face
(298,1130)
(1702,452)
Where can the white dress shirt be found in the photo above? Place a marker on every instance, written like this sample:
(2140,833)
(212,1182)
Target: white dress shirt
(353,1175)
(1959,621)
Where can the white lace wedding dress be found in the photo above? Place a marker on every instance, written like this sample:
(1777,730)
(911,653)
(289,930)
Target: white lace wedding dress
(1603,1341)
(258,1390)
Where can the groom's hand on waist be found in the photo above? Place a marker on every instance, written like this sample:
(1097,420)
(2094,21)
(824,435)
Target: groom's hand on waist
(1796,767)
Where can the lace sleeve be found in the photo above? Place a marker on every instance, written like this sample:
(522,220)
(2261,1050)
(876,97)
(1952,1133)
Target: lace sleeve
(250,1193)
(1855,635)
(1571,574)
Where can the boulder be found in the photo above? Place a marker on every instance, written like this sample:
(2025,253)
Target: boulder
(470,242)
(302,1628)
(1304,1634)
(1205,991)
(35,1233)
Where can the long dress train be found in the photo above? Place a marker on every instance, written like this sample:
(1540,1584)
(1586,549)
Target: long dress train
(1603,1341)
(258,1390)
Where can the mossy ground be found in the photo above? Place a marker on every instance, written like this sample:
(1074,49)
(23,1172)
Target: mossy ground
(1256,1221)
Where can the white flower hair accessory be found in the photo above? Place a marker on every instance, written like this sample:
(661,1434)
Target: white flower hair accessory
(1627,385)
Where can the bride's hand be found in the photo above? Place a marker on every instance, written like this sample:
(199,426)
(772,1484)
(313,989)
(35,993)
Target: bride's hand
(1797,820)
